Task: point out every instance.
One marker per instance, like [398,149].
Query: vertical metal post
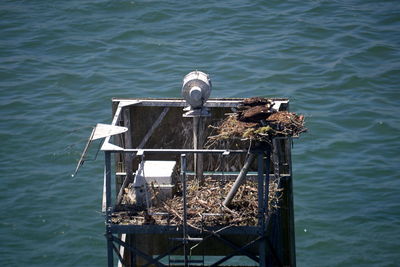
[260,170]
[275,157]
[183,176]
[279,229]
[261,209]
[282,147]
[107,179]
[288,152]
[198,144]
[127,157]
[267,163]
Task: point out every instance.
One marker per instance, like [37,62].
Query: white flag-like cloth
[100,131]
[104,130]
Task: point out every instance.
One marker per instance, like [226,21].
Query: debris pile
[204,206]
[257,119]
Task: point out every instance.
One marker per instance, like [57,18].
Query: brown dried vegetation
[256,120]
[204,206]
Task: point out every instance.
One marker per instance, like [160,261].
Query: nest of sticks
[204,206]
[256,119]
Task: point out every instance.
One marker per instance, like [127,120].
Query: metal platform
[269,243]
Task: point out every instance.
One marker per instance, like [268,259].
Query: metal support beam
[120,257]
[127,157]
[273,253]
[183,177]
[107,188]
[174,151]
[260,166]
[236,247]
[153,127]
[107,182]
[267,163]
[159,257]
[217,263]
[261,208]
[198,139]
[239,180]
[122,252]
[148,258]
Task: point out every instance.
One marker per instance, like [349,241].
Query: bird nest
[256,119]
[204,205]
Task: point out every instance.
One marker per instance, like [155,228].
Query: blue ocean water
[61,62]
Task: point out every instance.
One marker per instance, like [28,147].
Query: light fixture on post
[196,90]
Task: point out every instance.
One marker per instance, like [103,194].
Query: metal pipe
[260,168]
[110,251]
[239,180]
[107,179]
[175,151]
[107,186]
[267,171]
[183,176]
[198,144]
[261,209]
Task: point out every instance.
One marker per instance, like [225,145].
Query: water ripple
[338,61]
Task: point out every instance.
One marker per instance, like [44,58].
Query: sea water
[61,62]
